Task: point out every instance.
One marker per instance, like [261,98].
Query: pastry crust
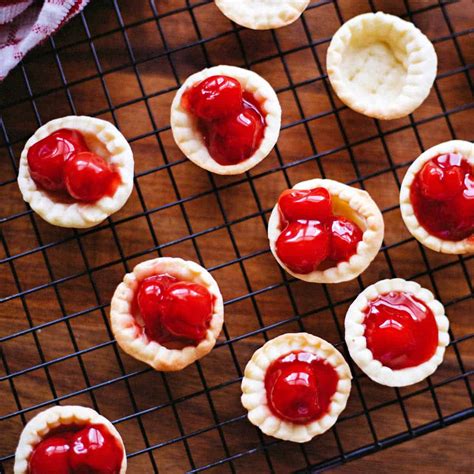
[40,425]
[262,14]
[357,343]
[381,66]
[254,397]
[189,139]
[103,139]
[352,203]
[408,214]
[129,333]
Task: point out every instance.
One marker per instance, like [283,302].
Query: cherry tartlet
[437,198]
[295,387]
[70,440]
[396,332]
[168,313]
[76,171]
[226,119]
[323,231]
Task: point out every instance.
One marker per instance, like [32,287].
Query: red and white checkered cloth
[26,23]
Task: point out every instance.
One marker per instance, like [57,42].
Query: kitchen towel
[26,23]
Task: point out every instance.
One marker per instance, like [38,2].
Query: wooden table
[60,281]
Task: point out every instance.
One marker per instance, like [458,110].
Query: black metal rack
[263,446]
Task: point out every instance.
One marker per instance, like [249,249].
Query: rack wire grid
[123,61]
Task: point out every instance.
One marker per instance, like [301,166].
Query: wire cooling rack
[123,61]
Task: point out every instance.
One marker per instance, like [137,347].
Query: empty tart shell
[103,139]
[408,214]
[381,66]
[128,328]
[262,14]
[40,425]
[190,140]
[352,203]
[357,343]
[254,397]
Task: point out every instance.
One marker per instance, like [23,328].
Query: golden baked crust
[129,333]
[103,139]
[189,139]
[40,425]
[254,397]
[408,214]
[381,66]
[354,204]
[357,343]
[262,14]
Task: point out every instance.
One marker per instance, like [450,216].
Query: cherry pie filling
[63,164]
[175,313]
[313,237]
[442,196]
[230,119]
[299,387]
[400,330]
[77,450]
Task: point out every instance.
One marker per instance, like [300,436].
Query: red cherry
[299,386]
[308,204]
[95,450]
[88,177]
[463,217]
[294,395]
[215,97]
[390,341]
[46,157]
[442,208]
[149,298]
[187,310]
[400,330]
[303,245]
[441,182]
[235,138]
[345,235]
[50,456]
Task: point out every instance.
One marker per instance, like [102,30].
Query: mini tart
[40,425]
[103,139]
[130,334]
[190,140]
[352,203]
[408,214]
[357,342]
[262,14]
[381,66]
[254,397]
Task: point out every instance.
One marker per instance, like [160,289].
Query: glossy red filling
[62,163]
[299,387]
[312,235]
[442,196]
[77,450]
[174,311]
[230,119]
[400,330]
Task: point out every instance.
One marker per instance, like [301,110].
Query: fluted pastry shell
[262,14]
[381,66]
[352,203]
[190,140]
[103,139]
[41,424]
[408,214]
[129,332]
[357,343]
[254,397]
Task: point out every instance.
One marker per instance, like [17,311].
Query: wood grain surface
[65,285]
